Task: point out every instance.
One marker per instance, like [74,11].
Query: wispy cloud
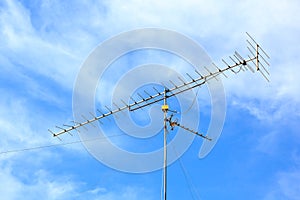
[23,45]
[43,185]
[269,111]
[286,185]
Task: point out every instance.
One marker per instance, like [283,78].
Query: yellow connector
[164,107]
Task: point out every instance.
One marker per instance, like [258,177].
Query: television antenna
[258,59]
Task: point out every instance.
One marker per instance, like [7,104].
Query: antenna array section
[257,60]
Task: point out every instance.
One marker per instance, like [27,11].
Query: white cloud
[16,125]
[43,185]
[289,184]
[286,186]
[269,142]
[126,193]
[22,128]
[24,46]
[269,111]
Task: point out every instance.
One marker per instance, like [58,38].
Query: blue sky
[42,47]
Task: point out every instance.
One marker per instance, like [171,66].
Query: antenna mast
[165,108]
[258,57]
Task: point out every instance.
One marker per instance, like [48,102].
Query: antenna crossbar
[175,123]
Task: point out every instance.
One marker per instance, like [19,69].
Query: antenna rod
[175,123]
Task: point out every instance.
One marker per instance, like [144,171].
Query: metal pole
[165,110]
